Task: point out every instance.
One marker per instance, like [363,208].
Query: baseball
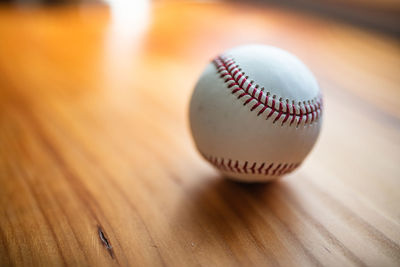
[255,113]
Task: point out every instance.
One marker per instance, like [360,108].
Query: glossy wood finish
[97,166]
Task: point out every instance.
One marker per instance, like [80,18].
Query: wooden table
[97,165]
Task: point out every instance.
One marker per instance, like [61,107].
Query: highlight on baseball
[255,113]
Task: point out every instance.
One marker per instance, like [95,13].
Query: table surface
[97,165]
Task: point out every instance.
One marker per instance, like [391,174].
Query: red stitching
[235,166]
[236,81]
[283,169]
[245,167]
[243,81]
[235,90]
[229,165]
[255,106]
[307,113]
[247,101]
[253,167]
[223,165]
[241,95]
[248,86]
[280,112]
[271,112]
[262,110]
[260,168]
[274,171]
[269,167]
[287,114]
[232,84]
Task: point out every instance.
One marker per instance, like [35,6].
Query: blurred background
[382,15]
[97,164]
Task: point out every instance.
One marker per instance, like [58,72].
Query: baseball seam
[263,168]
[240,85]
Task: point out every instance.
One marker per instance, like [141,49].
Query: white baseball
[256,113]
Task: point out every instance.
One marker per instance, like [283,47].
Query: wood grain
[97,166]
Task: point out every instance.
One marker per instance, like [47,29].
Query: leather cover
[228,126]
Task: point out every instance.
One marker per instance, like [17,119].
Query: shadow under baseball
[240,220]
